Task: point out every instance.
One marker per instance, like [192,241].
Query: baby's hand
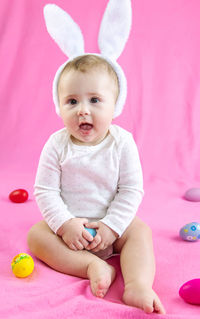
[74,234]
[105,236]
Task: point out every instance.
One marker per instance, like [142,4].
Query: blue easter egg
[92,231]
[190,232]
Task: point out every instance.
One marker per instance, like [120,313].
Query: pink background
[161,62]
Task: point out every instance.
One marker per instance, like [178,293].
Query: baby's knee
[138,228]
[145,229]
[33,237]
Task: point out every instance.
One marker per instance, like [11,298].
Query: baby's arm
[47,186]
[124,205]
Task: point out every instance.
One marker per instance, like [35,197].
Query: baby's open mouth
[86,126]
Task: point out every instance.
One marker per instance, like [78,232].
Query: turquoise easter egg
[92,231]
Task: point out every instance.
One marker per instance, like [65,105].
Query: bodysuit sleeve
[124,206]
[47,187]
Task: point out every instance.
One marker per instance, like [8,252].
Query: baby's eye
[72,101]
[94,100]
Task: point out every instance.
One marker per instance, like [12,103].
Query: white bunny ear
[115,28]
[64,30]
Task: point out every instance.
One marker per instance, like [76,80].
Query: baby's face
[87,103]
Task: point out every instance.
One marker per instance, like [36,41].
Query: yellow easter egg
[22,265]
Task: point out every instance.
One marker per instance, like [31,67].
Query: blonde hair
[86,63]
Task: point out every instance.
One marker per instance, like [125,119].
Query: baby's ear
[115,28]
[65,32]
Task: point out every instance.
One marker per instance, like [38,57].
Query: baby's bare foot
[144,298]
[101,276]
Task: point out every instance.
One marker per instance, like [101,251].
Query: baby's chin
[82,141]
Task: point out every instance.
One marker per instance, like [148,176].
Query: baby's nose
[83,110]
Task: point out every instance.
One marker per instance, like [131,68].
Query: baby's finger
[84,221]
[87,235]
[92,225]
[72,246]
[101,246]
[84,242]
[78,245]
[96,241]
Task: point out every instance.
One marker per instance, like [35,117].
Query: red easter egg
[190,291]
[18,196]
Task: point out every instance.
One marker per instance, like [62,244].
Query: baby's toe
[148,307]
[102,288]
[158,307]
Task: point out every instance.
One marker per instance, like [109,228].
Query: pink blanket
[161,61]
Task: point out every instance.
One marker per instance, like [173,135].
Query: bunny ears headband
[113,34]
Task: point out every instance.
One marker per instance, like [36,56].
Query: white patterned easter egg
[190,232]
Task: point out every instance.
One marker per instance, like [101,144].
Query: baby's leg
[138,267]
[51,249]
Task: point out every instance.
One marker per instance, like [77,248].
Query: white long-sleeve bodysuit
[102,182]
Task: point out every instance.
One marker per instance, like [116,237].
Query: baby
[89,175]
